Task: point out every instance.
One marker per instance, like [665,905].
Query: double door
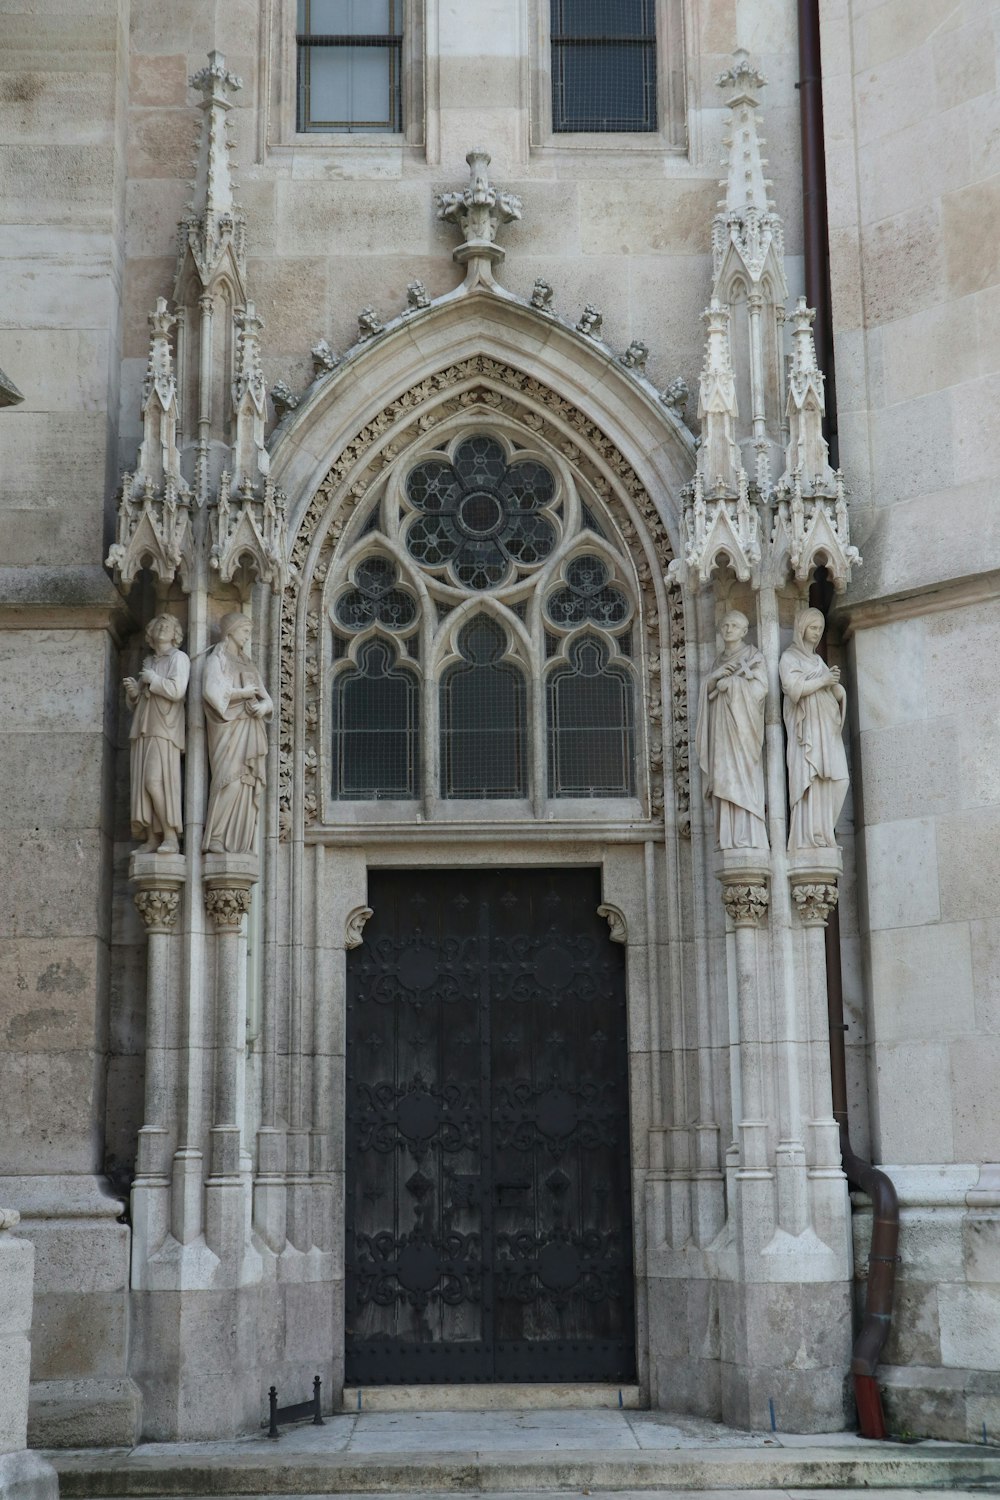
[488,1217]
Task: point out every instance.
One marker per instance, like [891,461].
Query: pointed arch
[324,496]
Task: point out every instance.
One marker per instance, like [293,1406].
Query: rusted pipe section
[860,1174]
[864,1178]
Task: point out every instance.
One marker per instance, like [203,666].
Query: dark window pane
[375,717]
[597,18]
[590,729]
[603,65]
[483,719]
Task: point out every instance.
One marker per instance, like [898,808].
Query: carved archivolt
[500,388]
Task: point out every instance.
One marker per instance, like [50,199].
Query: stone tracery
[494,387]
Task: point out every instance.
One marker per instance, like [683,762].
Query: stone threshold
[491,1397]
[265,1469]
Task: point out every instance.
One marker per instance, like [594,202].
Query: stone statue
[236,706]
[814,708]
[730,738]
[156,698]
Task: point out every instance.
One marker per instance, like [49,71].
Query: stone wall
[62,118]
[911,102]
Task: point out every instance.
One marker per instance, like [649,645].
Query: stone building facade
[436,409]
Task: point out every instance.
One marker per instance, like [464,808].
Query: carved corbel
[615,917]
[354,927]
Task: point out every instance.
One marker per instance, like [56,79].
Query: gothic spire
[215,228]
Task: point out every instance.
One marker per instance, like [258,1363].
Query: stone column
[23,1475]
[746,896]
[229,879]
[813,879]
[159,879]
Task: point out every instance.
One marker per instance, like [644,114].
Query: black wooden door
[488,1219]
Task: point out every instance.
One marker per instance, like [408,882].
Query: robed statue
[730,738]
[237,706]
[156,698]
[814,708]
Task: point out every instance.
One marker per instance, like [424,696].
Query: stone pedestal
[23,1475]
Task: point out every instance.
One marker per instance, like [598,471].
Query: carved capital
[617,925]
[227,905]
[158,907]
[354,928]
[814,902]
[746,904]
[9,1218]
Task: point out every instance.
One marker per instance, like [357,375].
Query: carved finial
[635,356]
[153,511]
[215,222]
[369,324]
[478,211]
[676,396]
[541,295]
[282,399]
[742,77]
[591,322]
[417,297]
[323,358]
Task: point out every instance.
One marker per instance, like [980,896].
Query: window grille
[590,724]
[375,723]
[350,55]
[474,515]
[603,65]
[483,719]
[480,516]
[375,599]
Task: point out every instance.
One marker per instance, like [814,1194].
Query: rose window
[481,517]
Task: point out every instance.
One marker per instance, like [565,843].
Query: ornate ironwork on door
[488,1223]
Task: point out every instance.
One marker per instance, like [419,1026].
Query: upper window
[481,637]
[603,65]
[350,65]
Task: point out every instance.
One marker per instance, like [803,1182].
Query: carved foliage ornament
[367,456]
[158,908]
[227,906]
[746,904]
[815,902]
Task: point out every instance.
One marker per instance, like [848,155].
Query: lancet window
[483,637]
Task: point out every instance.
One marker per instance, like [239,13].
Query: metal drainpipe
[861,1175]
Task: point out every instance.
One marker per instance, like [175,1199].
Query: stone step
[267,1470]
[407,1398]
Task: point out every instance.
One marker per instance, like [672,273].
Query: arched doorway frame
[478,353]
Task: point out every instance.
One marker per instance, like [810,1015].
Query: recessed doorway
[488,1213]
